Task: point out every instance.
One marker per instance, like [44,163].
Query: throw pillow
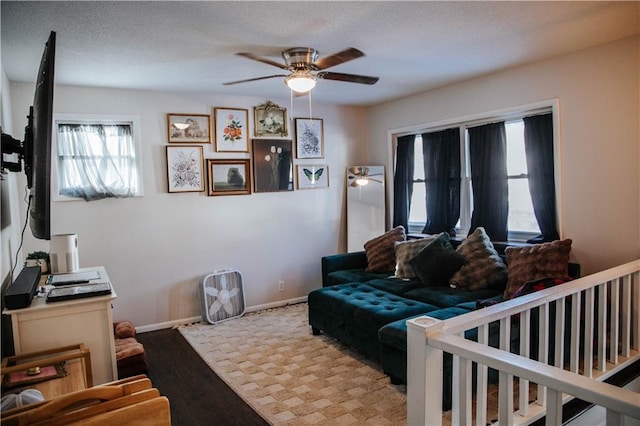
[539,284]
[405,251]
[380,251]
[483,267]
[537,261]
[437,262]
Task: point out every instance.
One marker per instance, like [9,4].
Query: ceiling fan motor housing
[299,58]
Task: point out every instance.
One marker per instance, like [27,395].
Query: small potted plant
[38,258]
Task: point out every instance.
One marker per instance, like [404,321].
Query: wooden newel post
[424,374]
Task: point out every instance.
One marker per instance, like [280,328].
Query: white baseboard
[179,322]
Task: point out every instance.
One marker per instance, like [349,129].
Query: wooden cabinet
[43,326]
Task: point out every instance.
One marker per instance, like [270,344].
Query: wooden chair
[79,373]
[129,401]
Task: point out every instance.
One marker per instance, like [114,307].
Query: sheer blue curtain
[441,152]
[403,181]
[538,143]
[488,159]
[96,161]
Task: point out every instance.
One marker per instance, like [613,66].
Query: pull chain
[291,108]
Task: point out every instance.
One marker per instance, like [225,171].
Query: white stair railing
[592,324]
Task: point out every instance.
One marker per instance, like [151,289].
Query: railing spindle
[615,321]
[589,328]
[635,320]
[523,397]
[543,346]
[625,317]
[576,311]
[559,334]
[602,327]
[482,381]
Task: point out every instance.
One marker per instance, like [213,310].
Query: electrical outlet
[280,285]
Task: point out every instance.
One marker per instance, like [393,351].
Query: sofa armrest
[340,262]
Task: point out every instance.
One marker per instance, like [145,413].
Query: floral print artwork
[232,129]
[185,169]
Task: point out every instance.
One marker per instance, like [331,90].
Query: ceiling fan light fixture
[300,82]
[362,181]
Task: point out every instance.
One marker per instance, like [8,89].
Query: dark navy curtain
[441,152]
[538,143]
[403,181]
[488,159]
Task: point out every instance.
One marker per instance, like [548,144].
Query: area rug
[290,377]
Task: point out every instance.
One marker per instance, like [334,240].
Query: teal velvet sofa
[367,311]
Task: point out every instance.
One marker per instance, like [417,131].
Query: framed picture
[185,168]
[272,165]
[189,128]
[311,176]
[232,129]
[270,120]
[229,177]
[309,138]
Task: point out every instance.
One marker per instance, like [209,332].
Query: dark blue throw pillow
[436,263]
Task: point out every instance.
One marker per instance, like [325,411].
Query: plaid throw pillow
[539,284]
[535,262]
[380,251]
[483,267]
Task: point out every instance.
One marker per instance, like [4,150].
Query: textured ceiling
[190,46]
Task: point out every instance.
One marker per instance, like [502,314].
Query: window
[96,158]
[521,221]
[521,216]
[418,211]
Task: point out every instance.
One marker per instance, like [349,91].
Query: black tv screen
[38,144]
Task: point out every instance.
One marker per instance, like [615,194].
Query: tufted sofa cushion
[445,297]
[353,276]
[395,285]
[354,312]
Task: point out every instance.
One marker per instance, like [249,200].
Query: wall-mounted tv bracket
[12,154]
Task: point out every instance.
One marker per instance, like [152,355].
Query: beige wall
[598,93]
[157,247]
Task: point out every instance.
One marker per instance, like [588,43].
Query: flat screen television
[35,150]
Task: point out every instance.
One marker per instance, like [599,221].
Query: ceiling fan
[361,176]
[305,68]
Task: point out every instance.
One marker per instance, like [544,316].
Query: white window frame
[506,114]
[132,120]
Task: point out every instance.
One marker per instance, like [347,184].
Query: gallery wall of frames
[280,153]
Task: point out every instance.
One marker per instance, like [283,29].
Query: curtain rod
[482,121]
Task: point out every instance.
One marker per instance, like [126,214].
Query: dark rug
[197,396]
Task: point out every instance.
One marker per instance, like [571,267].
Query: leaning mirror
[365,205]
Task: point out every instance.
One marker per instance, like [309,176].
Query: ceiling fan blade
[350,78]
[263,60]
[358,170]
[337,58]
[253,79]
